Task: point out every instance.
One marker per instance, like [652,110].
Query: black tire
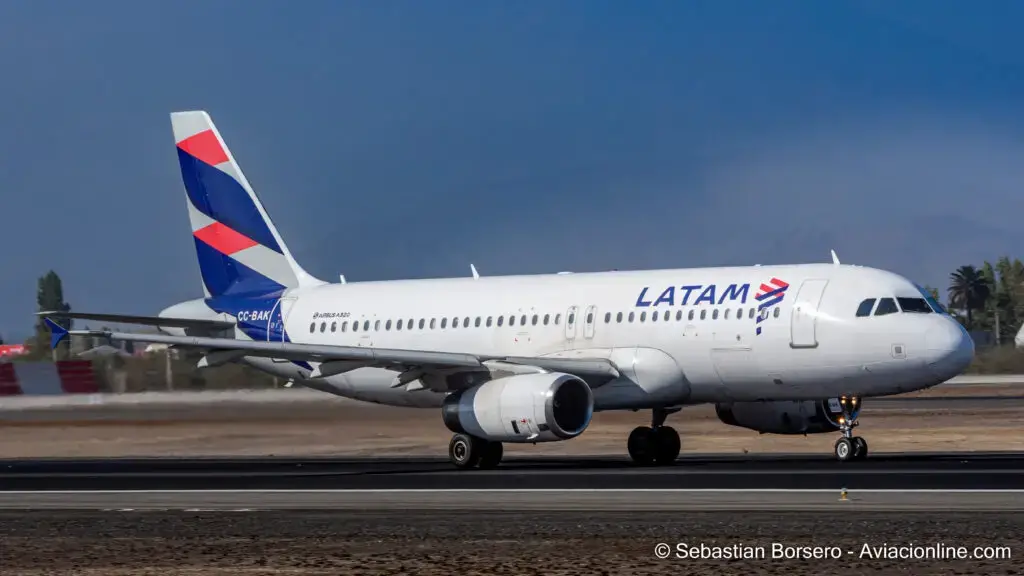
[490,456]
[844,449]
[464,451]
[666,445]
[640,445]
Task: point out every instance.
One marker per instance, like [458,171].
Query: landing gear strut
[850,447]
[658,444]
[467,451]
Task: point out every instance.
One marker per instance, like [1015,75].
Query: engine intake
[788,417]
[544,407]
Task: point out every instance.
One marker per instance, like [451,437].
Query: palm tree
[968,291]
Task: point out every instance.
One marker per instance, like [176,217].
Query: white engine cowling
[545,407]
[787,417]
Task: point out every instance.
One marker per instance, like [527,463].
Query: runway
[885,481]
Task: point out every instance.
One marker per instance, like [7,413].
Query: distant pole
[169,375]
[997,328]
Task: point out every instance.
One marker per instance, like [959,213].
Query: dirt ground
[354,428]
[563,544]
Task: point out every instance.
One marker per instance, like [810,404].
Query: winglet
[57,332]
[472,269]
[835,259]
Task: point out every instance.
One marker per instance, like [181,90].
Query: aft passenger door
[803,322]
[278,322]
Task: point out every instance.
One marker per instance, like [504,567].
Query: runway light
[842,495]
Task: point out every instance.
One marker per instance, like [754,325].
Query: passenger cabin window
[607,317]
[399,325]
[455,322]
[865,307]
[618,317]
[444,323]
[691,315]
[777,312]
[387,326]
[334,326]
[547,319]
[477,323]
[679,315]
[914,305]
[886,306]
[433,322]
[489,318]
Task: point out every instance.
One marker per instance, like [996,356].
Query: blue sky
[408,139]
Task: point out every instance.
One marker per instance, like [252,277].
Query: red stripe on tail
[224,239]
[205,147]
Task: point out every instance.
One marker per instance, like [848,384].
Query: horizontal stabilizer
[143,320]
[57,332]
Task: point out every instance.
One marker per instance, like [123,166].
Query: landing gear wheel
[860,448]
[653,445]
[844,449]
[640,446]
[465,451]
[491,455]
[666,444]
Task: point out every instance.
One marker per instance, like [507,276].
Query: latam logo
[769,295]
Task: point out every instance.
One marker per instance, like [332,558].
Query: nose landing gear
[850,447]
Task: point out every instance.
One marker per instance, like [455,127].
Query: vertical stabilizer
[239,249]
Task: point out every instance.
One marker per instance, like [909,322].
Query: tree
[50,297]
[968,291]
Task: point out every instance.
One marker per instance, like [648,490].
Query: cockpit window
[935,305]
[915,305]
[865,307]
[886,306]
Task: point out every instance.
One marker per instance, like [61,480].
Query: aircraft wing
[212,325]
[410,364]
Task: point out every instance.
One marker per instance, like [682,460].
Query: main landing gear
[850,447]
[658,444]
[467,451]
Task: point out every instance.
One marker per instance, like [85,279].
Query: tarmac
[967,481]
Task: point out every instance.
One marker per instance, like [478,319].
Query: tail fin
[240,251]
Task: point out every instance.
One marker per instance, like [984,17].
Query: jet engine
[543,407]
[789,417]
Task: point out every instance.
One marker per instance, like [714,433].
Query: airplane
[780,349]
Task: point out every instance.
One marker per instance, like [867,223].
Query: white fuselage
[675,340]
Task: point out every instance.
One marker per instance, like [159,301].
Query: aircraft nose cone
[950,349]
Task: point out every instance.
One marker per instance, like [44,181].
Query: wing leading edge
[412,364]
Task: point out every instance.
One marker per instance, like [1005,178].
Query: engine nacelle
[544,407]
[788,417]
